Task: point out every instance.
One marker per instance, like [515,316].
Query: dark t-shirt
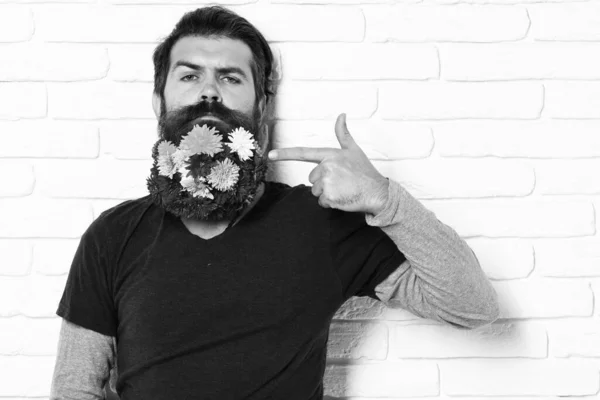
[243,315]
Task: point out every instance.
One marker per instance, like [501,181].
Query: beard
[167,190]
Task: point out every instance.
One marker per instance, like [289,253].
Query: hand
[345,178]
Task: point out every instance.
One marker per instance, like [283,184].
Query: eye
[231,79]
[188,78]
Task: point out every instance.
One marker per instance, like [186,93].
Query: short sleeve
[87,299]
[362,255]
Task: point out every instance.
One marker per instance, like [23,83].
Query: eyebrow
[222,70]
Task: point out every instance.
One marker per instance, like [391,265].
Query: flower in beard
[166,165]
[224,175]
[202,140]
[196,186]
[241,142]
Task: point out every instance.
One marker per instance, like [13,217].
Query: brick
[454,100]
[380,140]
[105,179]
[567,177]
[131,63]
[52,62]
[22,100]
[575,339]
[318,100]
[356,340]
[446,179]
[16,23]
[359,308]
[504,258]
[41,335]
[128,140]
[48,139]
[68,23]
[343,61]
[11,335]
[282,23]
[498,340]
[26,375]
[568,139]
[565,22]
[43,295]
[567,257]
[572,100]
[456,23]
[398,379]
[35,218]
[544,298]
[511,61]
[277,23]
[98,100]
[519,377]
[53,256]
[16,257]
[12,295]
[516,218]
[17,179]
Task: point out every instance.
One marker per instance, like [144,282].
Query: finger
[309,154]
[317,188]
[341,132]
[315,174]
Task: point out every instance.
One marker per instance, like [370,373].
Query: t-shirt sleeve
[87,299]
[362,255]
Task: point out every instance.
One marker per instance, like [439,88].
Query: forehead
[209,51]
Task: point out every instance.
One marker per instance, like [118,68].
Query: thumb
[341,131]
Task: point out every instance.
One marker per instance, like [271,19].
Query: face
[209,84]
[211,69]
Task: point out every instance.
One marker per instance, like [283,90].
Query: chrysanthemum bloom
[196,186]
[180,158]
[165,163]
[241,141]
[224,175]
[202,139]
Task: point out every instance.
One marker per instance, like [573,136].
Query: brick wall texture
[488,111]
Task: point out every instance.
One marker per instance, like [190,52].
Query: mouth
[207,117]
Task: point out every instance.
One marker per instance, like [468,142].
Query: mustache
[176,123]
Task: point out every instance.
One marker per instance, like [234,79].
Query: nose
[210,91]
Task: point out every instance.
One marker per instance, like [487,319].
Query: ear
[156,103]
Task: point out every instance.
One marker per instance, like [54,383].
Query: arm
[441,278]
[84,361]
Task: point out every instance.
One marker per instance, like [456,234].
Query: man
[219,284]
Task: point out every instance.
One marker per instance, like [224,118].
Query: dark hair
[216,21]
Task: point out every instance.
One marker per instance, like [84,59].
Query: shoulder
[121,218]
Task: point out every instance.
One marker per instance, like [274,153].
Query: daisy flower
[241,142]
[196,187]
[166,166]
[180,158]
[224,175]
[202,139]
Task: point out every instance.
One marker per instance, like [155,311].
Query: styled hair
[217,22]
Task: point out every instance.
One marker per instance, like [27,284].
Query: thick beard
[167,192]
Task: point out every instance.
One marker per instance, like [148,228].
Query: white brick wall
[486,110]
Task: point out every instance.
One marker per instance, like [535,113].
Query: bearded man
[222,285]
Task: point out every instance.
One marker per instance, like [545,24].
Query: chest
[248,282]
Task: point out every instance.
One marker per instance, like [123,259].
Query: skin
[218,69]
[212,69]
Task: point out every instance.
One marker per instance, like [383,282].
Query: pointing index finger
[308,154]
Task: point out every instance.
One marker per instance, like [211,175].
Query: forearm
[442,278]
[83,364]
